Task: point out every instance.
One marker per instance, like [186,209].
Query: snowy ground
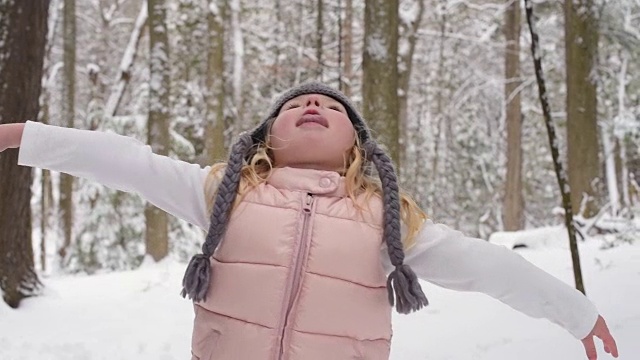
[139,315]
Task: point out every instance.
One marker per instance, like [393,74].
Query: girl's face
[312,131]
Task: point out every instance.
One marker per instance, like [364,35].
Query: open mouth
[314,117]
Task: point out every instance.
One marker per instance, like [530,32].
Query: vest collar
[317,182]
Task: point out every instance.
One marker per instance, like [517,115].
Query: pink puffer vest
[298,276]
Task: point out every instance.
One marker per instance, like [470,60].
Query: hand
[601,331]
[10,136]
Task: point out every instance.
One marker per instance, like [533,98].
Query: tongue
[312,118]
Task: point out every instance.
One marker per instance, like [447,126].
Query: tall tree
[319,38]
[126,64]
[23,30]
[581,42]
[156,237]
[409,24]
[68,113]
[347,48]
[561,175]
[380,73]
[238,61]
[214,128]
[46,198]
[513,205]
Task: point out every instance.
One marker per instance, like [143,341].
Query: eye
[335,107]
[291,106]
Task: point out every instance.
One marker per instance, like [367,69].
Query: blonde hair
[359,185]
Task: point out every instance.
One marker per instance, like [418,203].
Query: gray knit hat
[408,293]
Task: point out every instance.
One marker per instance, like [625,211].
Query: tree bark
[68,113]
[46,199]
[319,38]
[440,113]
[561,175]
[238,62]
[347,46]
[410,33]
[23,30]
[513,205]
[581,42]
[380,73]
[214,141]
[156,236]
[126,64]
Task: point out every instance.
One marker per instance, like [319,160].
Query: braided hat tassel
[402,282]
[195,282]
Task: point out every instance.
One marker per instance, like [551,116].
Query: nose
[313,100]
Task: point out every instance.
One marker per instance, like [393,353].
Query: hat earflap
[195,282]
[402,281]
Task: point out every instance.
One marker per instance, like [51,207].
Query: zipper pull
[308,203]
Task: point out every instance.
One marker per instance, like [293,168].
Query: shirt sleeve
[449,259]
[119,162]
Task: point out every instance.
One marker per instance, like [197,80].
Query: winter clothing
[441,256]
[408,294]
[298,276]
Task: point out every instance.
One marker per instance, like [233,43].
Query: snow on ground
[139,314]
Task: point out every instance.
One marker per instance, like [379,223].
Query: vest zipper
[294,283]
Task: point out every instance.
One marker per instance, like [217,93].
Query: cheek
[345,135]
[280,132]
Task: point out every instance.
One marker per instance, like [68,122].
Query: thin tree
[68,114]
[513,203]
[214,128]
[126,63]
[23,31]
[380,73]
[346,46]
[319,38]
[553,143]
[48,74]
[238,61]
[581,43]
[156,236]
[409,29]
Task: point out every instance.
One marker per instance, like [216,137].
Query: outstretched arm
[449,259]
[120,162]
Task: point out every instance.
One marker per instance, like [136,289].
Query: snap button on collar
[325,182]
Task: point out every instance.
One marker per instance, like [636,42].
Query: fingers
[609,342]
[590,348]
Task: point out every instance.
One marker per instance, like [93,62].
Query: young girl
[301,236]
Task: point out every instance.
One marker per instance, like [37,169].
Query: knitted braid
[408,293]
[196,279]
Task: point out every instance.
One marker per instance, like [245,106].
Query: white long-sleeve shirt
[441,255]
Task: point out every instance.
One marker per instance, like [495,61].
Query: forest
[448,87]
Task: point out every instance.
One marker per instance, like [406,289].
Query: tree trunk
[23,30]
[513,206]
[319,38]
[581,42]
[623,171]
[561,175]
[410,35]
[46,199]
[347,46]
[380,73]
[126,64]
[214,140]
[611,173]
[440,112]
[238,61]
[156,237]
[68,113]
[278,33]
